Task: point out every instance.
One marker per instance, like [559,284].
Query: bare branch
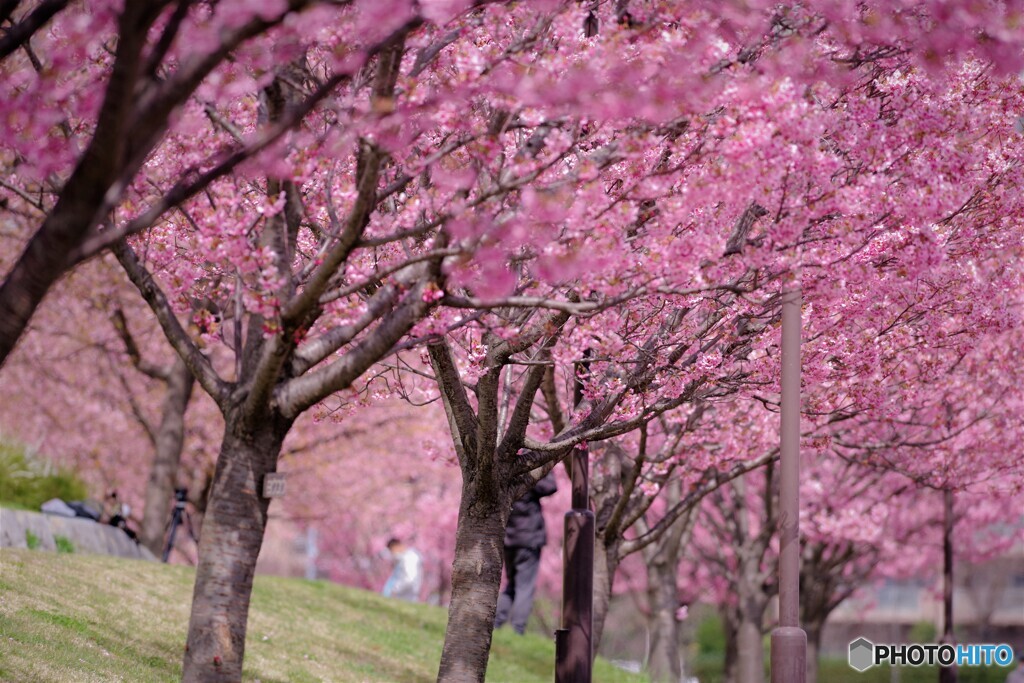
[550,392]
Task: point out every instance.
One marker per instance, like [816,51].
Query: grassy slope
[73,618]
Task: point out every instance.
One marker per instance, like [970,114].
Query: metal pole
[789,641]
[312,552]
[574,641]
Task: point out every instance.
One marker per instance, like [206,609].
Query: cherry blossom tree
[717,444]
[387,471]
[81,397]
[884,475]
[90,92]
[507,184]
[95,406]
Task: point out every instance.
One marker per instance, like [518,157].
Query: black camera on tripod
[179,516]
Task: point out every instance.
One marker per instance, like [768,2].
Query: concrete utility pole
[312,553]
[789,641]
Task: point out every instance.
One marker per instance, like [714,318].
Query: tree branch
[143,366]
[197,363]
[316,349]
[462,419]
[298,394]
[22,32]
[709,481]
[369,164]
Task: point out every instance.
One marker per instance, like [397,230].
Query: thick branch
[738,238]
[551,403]
[300,393]
[197,363]
[79,207]
[132,349]
[315,350]
[20,33]
[461,419]
[612,529]
[520,420]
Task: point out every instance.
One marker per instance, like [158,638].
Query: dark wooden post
[574,653]
[574,644]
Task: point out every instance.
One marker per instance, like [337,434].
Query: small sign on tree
[274,485]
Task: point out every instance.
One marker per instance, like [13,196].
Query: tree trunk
[730,623]
[813,650]
[232,535]
[947,674]
[663,663]
[606,563]
[750,660]
[48,254]
[164,474]
[476,580]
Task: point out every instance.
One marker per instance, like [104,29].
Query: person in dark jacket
[524,537]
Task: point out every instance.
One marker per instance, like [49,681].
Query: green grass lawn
[66,618]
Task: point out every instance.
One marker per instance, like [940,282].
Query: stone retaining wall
[86,536]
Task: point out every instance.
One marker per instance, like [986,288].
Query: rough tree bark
[233,529]
[476,579]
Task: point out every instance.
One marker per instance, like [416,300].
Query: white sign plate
[273,485]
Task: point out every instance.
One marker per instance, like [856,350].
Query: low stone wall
[86,536]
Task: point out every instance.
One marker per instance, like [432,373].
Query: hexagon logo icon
[862,653]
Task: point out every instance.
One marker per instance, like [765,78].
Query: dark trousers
[516,601]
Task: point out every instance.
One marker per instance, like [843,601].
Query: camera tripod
[178,516]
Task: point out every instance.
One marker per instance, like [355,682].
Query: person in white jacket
[407,577]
